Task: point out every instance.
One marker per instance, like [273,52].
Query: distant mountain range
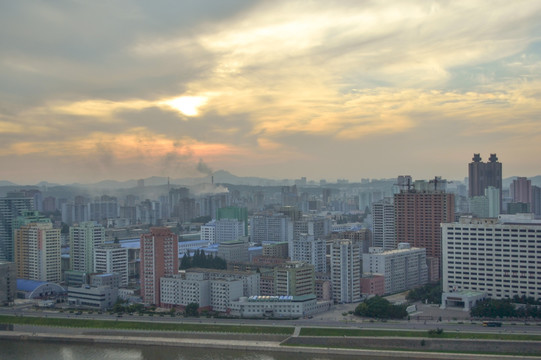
[218,177]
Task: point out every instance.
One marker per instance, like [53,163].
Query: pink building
[373,285]
[521,190]
[159,258]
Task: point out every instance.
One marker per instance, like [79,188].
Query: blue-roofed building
[32,289]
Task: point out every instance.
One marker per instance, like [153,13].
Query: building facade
[273,228]
[498,257]
[234,251]
[383,224]
[418,217]
[8,283]
[212,289]
[279,306]
[346,271]
[159,258]
[37,252]
[11,206]
[276,250]
[521,190]
[112,258]
[229,230]
[306,248]
[403,268]
[83,239]
[482,175]
[294,278]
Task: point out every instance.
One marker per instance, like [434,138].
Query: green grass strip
[140,325]
[307,331]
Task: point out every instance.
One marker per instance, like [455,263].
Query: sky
[126,89]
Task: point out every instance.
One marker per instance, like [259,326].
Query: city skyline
[348,90]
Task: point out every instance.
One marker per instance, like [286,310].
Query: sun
[187,105]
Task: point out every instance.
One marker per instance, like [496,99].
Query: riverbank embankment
[315,345]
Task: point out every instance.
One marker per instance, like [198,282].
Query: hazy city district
[223,247]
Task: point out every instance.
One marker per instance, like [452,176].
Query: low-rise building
[213,289]
[278,306]
[97,297]
[235,250]
[373,284]
[32,289]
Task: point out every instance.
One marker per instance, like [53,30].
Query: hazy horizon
[121,90]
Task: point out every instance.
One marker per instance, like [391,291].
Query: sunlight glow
[188,105]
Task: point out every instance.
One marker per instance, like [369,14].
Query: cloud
[263,85]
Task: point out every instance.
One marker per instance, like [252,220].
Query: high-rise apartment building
[208,232]
[346,271]
[536,201]
[228,230]
[11,206]
[112,259]
[8,283]
[383,224]
[487,206]
[499,257]
[37,252]
[403,268]
[159,258]
[294,278]
[234,212]
[418,217]
[83,240]
[271,228]
[310,250]
[521,190]
[318,226]
[482,175]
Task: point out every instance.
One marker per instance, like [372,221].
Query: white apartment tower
[83,239]
[229,230]
[383,225]
[37,252]
[310,250]
[497,256]
[346,271]
[403,268]
[208,232]
[273,228]
[112,259]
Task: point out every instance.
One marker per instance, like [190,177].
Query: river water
[30,350]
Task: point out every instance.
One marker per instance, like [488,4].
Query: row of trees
[492,308]
[201,260]
[380,308]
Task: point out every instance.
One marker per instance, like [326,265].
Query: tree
[380,308]
[185,262]
[492,308]
[430,292]
[191,309]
